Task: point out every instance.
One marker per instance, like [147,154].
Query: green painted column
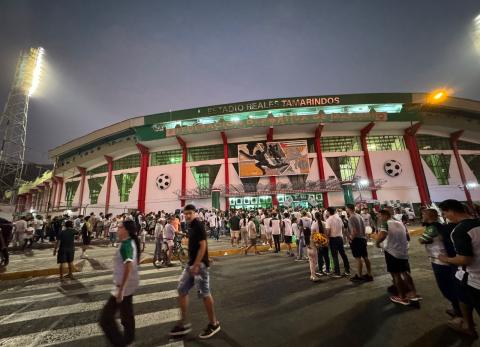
[348,194]
[216,199]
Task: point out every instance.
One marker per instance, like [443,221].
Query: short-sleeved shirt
[169,232]
[235,223]
[67,239]
[396,243]
[266,223]
[335,224]
[196,233]
[126,253]
[466,239]
[356,226]
[433,240]
[275,226]
[288,231]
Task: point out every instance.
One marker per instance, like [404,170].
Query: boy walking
[195,273]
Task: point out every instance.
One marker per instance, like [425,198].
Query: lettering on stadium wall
[272,104]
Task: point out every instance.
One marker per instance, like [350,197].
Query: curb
[215,253]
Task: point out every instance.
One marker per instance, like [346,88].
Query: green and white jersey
[126,253]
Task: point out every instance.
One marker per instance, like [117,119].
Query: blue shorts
[201,281]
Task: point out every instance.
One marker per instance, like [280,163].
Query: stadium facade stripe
[227,174]
[142,189]
[454,137]
[321,169]
[60,190]
[366,157]
[109,182]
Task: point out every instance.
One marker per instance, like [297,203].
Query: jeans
[445,277]
[336,246]
[113,237]
[276,240]
[29,241]
[215,232]
[323,258]
[127,318]
[39,235]
[300,247]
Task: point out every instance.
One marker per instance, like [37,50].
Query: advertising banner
[273,158]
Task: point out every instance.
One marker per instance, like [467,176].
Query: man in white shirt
[333,229]
[213,224]
[268,230]
[20,226]
[276,231]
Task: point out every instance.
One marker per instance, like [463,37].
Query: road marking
[82,307]
[86,290]
[109,275]
[79,332]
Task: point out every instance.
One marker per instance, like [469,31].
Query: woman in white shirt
[287,232]
[252,235]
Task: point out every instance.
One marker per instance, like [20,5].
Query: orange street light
[437,96]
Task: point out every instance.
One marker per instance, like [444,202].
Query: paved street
[262,300]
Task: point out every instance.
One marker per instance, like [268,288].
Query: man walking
[234,228]
[66,248]
[333,228]
[195,273]
[358,245]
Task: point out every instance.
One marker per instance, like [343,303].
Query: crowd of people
[316,236]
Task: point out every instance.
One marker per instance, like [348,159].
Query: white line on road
[86,290]
[82,307]
[79,332]
[109,275]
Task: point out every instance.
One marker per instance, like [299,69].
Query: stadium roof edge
[346,99]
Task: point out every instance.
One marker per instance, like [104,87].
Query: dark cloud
[111,60]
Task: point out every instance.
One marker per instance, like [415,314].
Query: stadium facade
[319,150]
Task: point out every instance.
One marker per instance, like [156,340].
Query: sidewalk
[41,261]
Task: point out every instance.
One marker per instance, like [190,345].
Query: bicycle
[160,256]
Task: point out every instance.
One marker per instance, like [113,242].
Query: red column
[20,206]
[53,194]
[409,137]
[184,168]
[60,190]
[41,193]
[83,175]
[142,189]
[273,179]
[227,176]
[366,157]
[321,169]
[28,202]
[454,142]
[109,182]
[46,196]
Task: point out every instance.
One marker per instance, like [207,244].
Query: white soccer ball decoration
[392,168]
[163,181]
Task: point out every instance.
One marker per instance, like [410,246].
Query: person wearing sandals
[396,257]
[466,240]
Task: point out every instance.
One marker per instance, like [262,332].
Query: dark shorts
[253,242]
[65,256]
[396,265]
[359,247]
[86,240]
[288,239]
[468,295]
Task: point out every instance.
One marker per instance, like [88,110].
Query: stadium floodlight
[476,33]
[438,96]
[36,62]
[363,182]
[471,185]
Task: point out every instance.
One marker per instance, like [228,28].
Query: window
[232,150]
[205,175]
[440,166]
[70,190]
[128,162]
[468,145]
[473,162]
[125,183]
[340,143]
[205,153]
[98,170]
[311,145]
[385,143]
[166,157]
[432,142]
[95,186]
[344,167]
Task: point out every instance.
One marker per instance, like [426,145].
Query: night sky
[111,60]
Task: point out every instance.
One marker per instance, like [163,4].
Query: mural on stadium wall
[273,158]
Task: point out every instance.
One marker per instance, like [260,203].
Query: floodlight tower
[13,121]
